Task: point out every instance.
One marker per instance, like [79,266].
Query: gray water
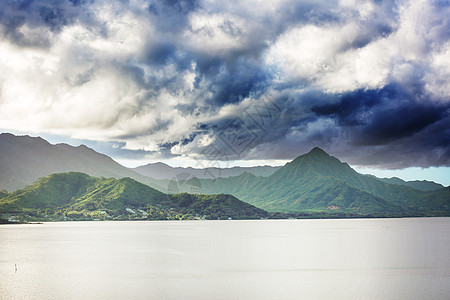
[264,259]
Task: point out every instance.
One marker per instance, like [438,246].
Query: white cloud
[324,55]
[437,79]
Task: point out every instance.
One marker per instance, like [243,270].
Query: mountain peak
[315,154]
[316,151]
[315,161]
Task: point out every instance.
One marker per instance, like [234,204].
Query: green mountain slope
[436,201]
[115,195]
[56,190]
[79,196]
[318,181]
[3,194]
[217,206]
[421,185]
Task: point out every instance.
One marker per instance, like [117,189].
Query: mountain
[24,159]
[162,171]
[218,206]
[79,196]
[313,182]
[48,192]
[421,185]
[317,181]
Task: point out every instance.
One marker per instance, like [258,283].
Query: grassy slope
[219,205]
[317,181]
[78,192]
[421,185]
[56,190]
[115,194]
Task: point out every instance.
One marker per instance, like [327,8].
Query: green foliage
[421,185]
[313,185]
[48,192]
[217,206]
[3,194]
[115,195]
[77,196]
[317,181]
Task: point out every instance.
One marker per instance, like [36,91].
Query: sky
[224,83]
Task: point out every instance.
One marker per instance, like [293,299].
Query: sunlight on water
[279,259]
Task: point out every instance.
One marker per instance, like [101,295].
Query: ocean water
[264,259]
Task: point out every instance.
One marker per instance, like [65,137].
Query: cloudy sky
[232,82]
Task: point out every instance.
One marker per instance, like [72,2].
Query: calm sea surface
[279,259]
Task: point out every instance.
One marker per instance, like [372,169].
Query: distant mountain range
[421,185]
[313,183]
[162,171]
[23,159]
[78,196]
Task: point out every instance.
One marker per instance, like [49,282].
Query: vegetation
[219,206]
[77,196]
[314,185]
[421,185]
[316,181]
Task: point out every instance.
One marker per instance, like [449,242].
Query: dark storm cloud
[167,8]
[257,127]
[425,148]
[393,127]
[381,116]
[401,126]
[233,83]
[49,15]
[392,124]
[159,53]
[171,16]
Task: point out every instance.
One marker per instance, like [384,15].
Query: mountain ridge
[161,170]
[422,185]
[24,159]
